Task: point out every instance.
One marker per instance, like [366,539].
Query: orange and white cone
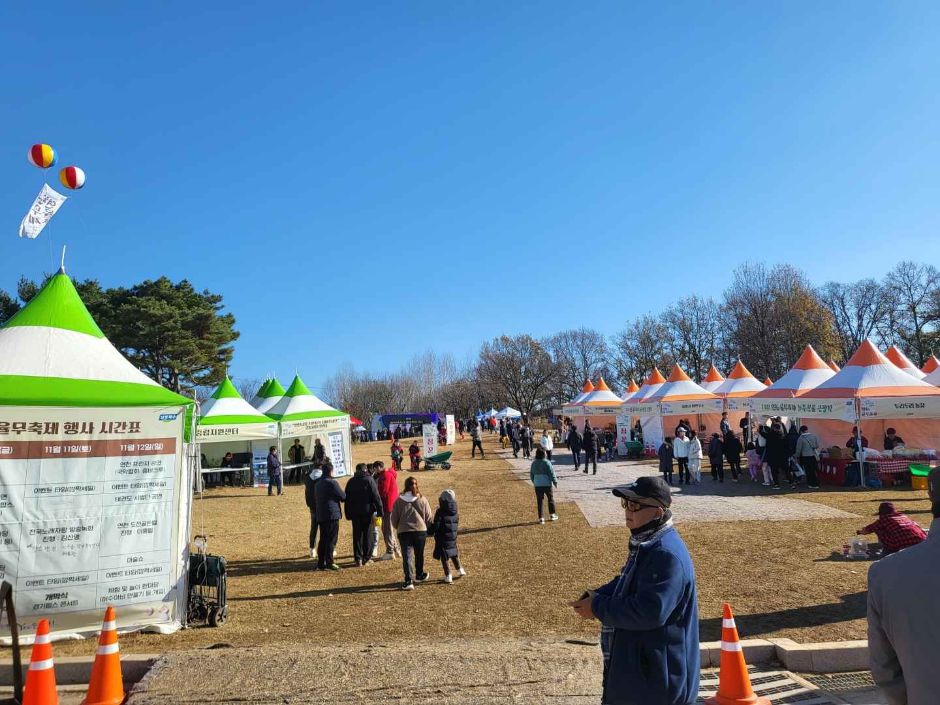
[40,678]
[734,684]
[106,686]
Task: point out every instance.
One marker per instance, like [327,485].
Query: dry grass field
[779,576]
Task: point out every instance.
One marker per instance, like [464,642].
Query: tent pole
[858,442]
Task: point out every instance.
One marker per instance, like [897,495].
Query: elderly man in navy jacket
[648,613]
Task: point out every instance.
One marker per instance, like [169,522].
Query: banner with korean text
[94,511]
[333,432]
[900,407]
[841,409]
[429,440]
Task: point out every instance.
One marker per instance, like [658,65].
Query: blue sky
[362,181]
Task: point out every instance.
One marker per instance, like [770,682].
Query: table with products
[890,471]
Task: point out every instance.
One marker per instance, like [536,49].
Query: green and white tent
[96,474]
[303,415]
[225,416]
[52,353]
[269,395]
[259,395]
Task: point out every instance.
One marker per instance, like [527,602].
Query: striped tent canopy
[601,396]
[809,372]
[650,386]
[259,395]
[632,389]
[679,387]
[585,390]
[869,373]
[740,383]
[268,396]
[241,421]
[52,353]
[897,356]
[932,364]
[298,403]
[712,380]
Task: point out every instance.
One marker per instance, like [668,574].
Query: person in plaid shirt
[894,530]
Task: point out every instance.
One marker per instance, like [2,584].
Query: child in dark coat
[444,528]
[665,459]
[414,452]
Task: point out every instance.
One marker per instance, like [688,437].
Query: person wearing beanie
[894,530]
[904,617]
[649,612]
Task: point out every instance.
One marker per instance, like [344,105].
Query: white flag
[45,206]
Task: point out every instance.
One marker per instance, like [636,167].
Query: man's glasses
[634,506]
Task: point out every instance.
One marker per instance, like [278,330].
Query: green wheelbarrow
[438,461]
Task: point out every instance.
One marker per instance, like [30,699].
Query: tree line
[766,316]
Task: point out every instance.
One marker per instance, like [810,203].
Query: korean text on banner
[90,512]
[900,407]
[841,409]
[338,453]
[45,206]
[623,434]
[429,438]
[451,426]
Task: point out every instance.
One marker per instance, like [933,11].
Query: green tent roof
[57,305]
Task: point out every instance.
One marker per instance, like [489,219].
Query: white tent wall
[324,428]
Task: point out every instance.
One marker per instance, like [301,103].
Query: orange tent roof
[768,381]
[739,371]
[656,377]
[932,364]
[897,356]
[680,387]
[633,386]
[740,383]
[588,387]
[833,366]
[810,360]
[713,375]
[601,386]
[807,373]
[870,374]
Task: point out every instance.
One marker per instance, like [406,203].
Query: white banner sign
[738,404]
[90,515]
[45,206]
[623,434]
[693,406]
[331,430]
[572,411]
[901,408]
[451,426]
[217,433]
[642,409]
[429,438]
[841,409]
[338,453]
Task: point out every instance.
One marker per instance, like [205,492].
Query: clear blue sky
[364,180]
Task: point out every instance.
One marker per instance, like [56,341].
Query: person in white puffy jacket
[695,458]
[680,451]
[547,444]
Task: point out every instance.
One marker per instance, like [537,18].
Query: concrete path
[708,501]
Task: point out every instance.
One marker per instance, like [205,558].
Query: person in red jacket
[387,480]
[894,530]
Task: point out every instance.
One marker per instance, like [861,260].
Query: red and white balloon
[72,177]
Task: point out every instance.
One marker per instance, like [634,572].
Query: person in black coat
[776,454]
[574,445]
[444,528]
[525,440]
[716,452]
[589,444]
[328,495]
[310,488]
[733,449]
[362,504]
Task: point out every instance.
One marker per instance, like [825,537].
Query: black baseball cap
[646,490]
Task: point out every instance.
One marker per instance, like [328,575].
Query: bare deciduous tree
[581,354]
[519,370]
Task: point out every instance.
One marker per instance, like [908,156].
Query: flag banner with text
[45,206]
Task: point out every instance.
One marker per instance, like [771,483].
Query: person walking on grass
[574,441]
[398,454]
[388,491]
[476,437]
[310,487]
[733,450]
[665,459]
[410,517]
[648,613]
[444,529]
[543,478]
[548,445]
[695,458]
[680,449]
[589,444]
[807,455]
[362,504]
[275,479]
[526,440]
[328,496]
[775,452]
[904,618]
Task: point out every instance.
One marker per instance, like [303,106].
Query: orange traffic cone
[40,678]
[106,686]
[734,685]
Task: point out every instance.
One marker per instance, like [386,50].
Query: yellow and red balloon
[72,177]
[42,155]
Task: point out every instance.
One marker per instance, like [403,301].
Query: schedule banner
[90,515]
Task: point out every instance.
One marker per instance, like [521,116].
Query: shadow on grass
[485,529]
[230,495]
[349,590]
[850,607]
[304,564]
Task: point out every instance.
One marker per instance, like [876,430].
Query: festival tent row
[596,402]
[676,398]
[96,471]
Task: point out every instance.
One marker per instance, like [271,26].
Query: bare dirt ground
[779,576]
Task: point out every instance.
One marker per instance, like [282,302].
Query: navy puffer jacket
[445,527]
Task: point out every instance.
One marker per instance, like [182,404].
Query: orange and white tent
[679,397]
[931,365]
[897,356]
[679,387]
[585,390]
[712,380]
[632,389]
[601,396]
[739,384]
[833,366]
[933,378]
[879,393]
[650,386]
[768,381]
[808,373]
